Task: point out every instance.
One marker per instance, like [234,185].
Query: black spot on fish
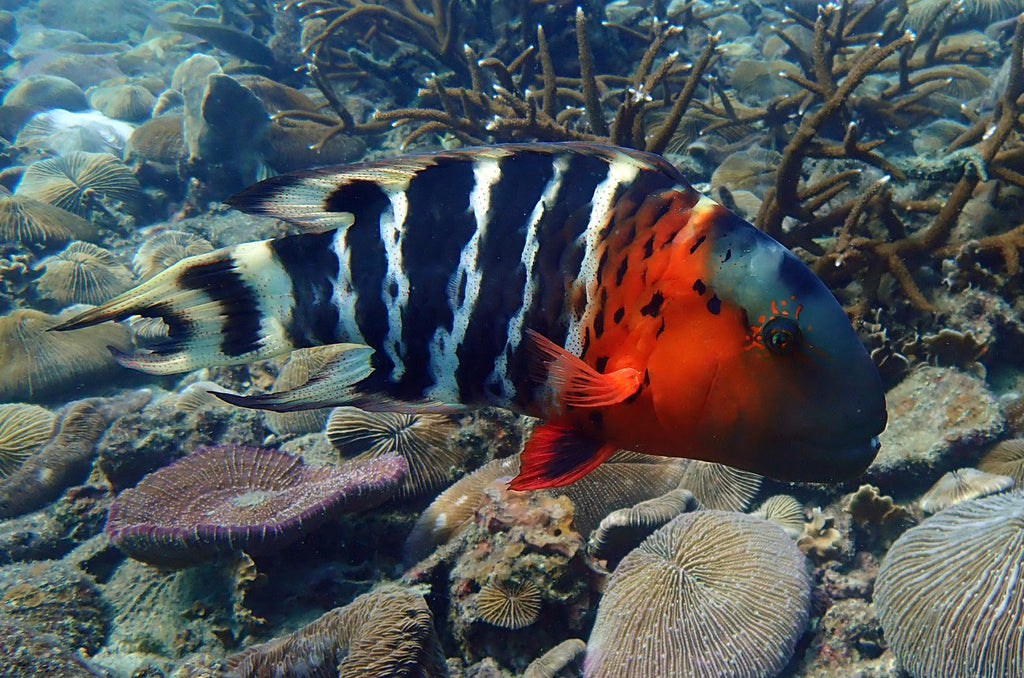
[728,255]
[649,247]
[653,307]
[631,236]
[621,273]
[697,244]
[586,342]
[393,289]
[636,394]
[647,377]
[596,420]
[714,304]
[600,265]
[599,323]
[601,363]
[618,315]
[699,286]
[660,329]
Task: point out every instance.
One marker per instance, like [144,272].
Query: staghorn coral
[710,594]
[421,439]
[166,248]
[563,660]
[36,364]
[949,594]
[31,222]
[219,500]
[23,430]
[83,273]
[961,485]
[622,530]
[386,633]
[785,511]
[509,605]
[1006,459]
[65,459]
[720,487]
[76,181]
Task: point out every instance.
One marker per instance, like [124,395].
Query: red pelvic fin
[577,383]
[558,455]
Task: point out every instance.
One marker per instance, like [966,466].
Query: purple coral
[223,499]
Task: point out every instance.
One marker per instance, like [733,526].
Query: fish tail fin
[224,307]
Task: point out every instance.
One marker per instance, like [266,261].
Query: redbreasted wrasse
[587,285]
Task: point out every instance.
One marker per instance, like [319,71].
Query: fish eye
[781,336]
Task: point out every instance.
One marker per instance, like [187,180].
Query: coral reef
[621,531]
[80,182]
[950,604]
[785,511]
[65,459]
[220,500]
[710,594]
[83,273]
[23,430]
[961,485]
[387,632]
[564,659]
[1005,458]
[30,222]
[720,487]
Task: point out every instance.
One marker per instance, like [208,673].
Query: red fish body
[590,286]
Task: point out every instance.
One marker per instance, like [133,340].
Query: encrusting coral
[219,500]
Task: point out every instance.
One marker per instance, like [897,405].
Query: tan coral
[158,140]
[422,439]
[720,487]
[509,605]
[35,363]
[1006,459]
[961,485]
[28,221]
[164,249]
[73,181]
[563,659]
[821,538]
[23,430]
[785,511]
[83,274]
[297,370]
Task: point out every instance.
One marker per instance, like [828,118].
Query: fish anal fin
[558,455]
[575,382]
[332,383]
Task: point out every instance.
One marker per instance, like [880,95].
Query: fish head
[788,389]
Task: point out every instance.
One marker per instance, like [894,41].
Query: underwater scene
[534,339]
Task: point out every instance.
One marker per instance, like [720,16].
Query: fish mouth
[825,462]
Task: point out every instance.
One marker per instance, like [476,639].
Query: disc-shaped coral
[785,511]
[83,274]
[72,181]
[950,594]
[711,594]
[961,485]
[157,140]
[301,365]
[219,500]
[23,430]
[510,605]
[422,439]
[1006,459]
[35,363]
[123,102]
[167,248]
[60,132]
[32,222]
[717,486]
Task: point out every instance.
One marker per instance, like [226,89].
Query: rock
[849,642]
[939,420]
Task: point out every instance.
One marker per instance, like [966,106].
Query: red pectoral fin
[577,383]
[558,455]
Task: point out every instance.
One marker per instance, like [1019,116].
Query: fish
[589,286]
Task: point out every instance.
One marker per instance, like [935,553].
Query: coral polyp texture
[711,594]
[950,594]
[219,500]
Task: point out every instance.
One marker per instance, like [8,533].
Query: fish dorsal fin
[576,383]
[333,197]
[558,455]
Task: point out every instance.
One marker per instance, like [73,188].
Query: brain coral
[218,500]
[950,593]
[711,594]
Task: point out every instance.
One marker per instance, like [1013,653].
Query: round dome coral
[223,499]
